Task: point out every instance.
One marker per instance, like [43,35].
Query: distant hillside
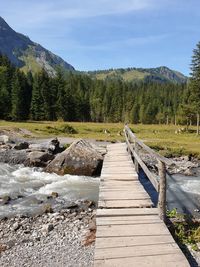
[26,54]
[160,74]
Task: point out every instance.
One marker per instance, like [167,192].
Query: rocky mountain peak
[27,54]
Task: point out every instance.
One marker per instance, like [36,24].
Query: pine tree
[194,85]
[18,97]
[37,101]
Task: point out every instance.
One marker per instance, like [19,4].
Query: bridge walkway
[129,230]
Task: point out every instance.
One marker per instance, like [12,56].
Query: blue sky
[101,34]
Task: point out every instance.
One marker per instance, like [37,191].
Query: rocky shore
[60,238]
[185,165]
[80,158]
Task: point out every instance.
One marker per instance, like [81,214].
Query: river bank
[60,238]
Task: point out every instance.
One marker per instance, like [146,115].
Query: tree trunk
[175,123]
[167,119]
[187,125]
[198,118]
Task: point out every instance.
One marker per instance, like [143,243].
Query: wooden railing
[159,182]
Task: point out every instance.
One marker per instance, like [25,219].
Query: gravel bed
[64,238]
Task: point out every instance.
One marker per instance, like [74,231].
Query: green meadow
[169,140]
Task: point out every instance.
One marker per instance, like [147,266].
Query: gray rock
[81,158]
[12,156]
[5,200]
[190,172]
[20,146]
[16,226]
[54,146]
[38,159]
[4,139]
[4,147]
[47,228]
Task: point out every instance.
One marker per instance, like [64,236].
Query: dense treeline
[76,97]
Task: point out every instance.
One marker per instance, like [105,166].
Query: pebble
[16,226]
[40,242]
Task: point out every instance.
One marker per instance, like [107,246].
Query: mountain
[160,74]
[26,54]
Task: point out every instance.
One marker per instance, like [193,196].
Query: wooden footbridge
[131,232]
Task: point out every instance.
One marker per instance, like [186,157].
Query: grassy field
[162,138]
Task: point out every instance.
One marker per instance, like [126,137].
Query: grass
[127,76]
[185,230]
[160,137]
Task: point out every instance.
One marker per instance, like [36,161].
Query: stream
[183,192]
[30,189]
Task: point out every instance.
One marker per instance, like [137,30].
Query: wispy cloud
[35,12]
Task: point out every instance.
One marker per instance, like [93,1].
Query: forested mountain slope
[72,96]
[160,74]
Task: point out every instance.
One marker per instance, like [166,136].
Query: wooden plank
[119,190]
[119,164]
[127,173]
[120,178]
[141,251]
[136,203]
[132,241]
[116,175]
[170,260]
[128,220]
[117,196]
[133,230]
[122,195]
[126,212]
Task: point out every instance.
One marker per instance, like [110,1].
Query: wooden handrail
[145,147]
[159,182]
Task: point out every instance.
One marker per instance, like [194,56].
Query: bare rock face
[81,158]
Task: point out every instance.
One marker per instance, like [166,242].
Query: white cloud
[32,13]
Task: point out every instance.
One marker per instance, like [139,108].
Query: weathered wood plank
[126,212]
[122,195]
[133,230]
[136,203]
[144,250]
[132,241]
[128,220]
[170,260]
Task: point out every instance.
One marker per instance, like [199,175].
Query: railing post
[135,161]
[127,141]
[162,191]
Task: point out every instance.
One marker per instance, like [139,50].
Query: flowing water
[183,192]
[30,189]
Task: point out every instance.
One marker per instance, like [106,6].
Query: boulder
[38,159]
[13,156]
[20,146]
[53,146]
[81,158]
[4,139]
[5,147]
